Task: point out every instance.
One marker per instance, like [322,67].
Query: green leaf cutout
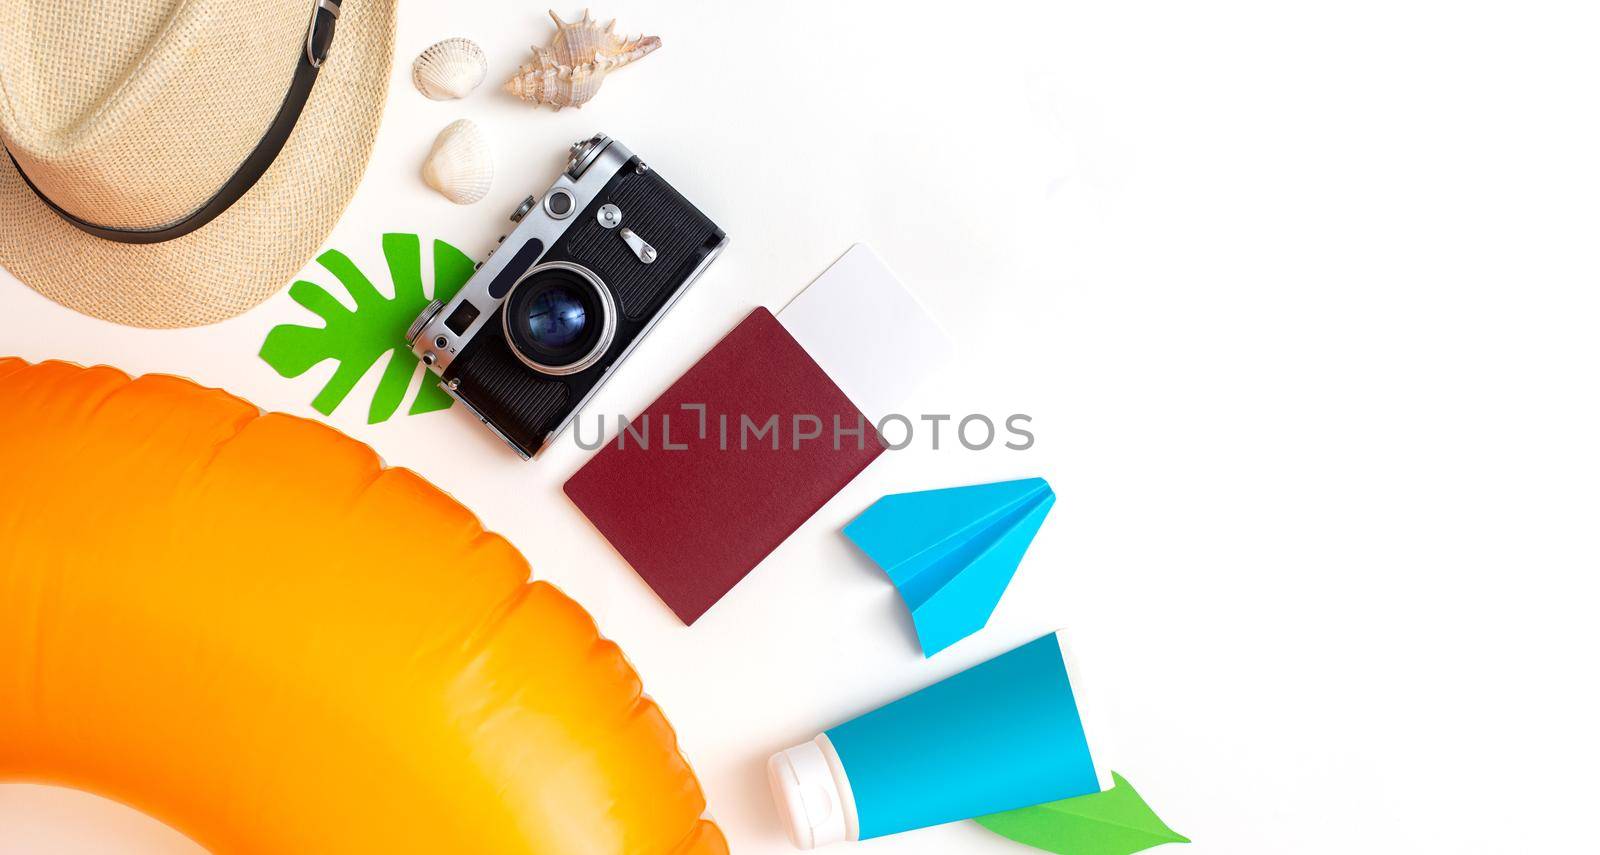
[1115,822]
[358,339]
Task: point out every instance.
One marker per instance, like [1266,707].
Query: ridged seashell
[571,69]
[449,69]
[459,166]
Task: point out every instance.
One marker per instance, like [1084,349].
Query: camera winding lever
[610,216]
[646,252]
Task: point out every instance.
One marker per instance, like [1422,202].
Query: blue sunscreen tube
[1006,734]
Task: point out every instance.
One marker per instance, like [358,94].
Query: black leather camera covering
[524,405]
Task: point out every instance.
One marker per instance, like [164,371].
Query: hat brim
[251,250]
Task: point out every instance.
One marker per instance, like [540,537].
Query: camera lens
[559,318]
[556,317]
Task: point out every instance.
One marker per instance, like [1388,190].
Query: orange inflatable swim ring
[246,626]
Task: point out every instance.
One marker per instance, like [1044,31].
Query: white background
[1302,299]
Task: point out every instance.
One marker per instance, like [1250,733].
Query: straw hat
[145,120]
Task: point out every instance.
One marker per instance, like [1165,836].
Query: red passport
[724,466]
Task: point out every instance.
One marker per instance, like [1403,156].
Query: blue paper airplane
[952,552]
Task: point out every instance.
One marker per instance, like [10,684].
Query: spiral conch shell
[571,69]
[459,166]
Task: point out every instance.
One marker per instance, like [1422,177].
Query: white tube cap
[813,795]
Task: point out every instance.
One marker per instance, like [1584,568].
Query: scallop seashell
[449,69]
[569,72]
[459,166]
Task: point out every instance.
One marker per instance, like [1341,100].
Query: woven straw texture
[133,113]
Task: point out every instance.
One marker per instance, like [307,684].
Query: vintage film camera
[589,269]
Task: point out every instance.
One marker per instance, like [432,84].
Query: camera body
[588,270]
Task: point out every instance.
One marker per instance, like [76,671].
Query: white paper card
[867,331]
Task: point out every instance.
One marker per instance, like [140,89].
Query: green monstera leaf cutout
[358,339]
[1115,822]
